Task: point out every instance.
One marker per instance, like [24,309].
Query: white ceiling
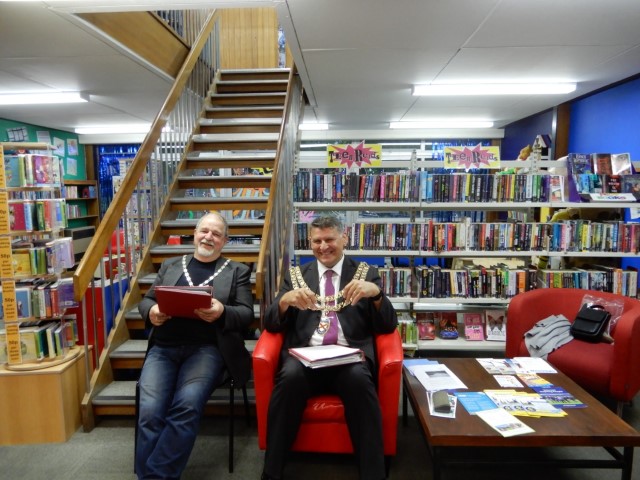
[358,58]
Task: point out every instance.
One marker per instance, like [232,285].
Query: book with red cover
[182,301]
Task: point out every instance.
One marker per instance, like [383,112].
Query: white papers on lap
[327,355]
[503,422]
[437,377]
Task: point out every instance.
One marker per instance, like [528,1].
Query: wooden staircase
[226,167]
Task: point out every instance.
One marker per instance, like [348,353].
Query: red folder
[182,301]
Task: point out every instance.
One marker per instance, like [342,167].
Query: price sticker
[14,352]
[6,261]
[4,213]
[3,176]
[9,301]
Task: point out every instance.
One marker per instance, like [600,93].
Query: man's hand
[356,290]
[156,317]
[210,314]
[302,298]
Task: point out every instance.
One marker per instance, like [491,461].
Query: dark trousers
[354,384]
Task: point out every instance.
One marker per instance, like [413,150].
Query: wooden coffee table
[593,426]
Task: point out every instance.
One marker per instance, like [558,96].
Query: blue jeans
[175,384]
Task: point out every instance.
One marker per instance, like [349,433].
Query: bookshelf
[34,254]
[480,235]
[82,203]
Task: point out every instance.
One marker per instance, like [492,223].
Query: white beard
[203,251]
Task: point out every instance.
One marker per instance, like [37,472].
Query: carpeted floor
[106,453]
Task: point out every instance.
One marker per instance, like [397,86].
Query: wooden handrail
[90,260]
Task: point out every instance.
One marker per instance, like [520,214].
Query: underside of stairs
[226,167]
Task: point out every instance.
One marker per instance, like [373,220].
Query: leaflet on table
[437,377]
[524,404]
[413,363]
[327,355]
[508,381]
[182,301]
[558,397]
[507,366]
[504,423]
[475,402]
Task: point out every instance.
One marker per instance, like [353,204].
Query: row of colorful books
[504,282]
[489,324]
[40,257]
[566,236]
[339,186]
[41,298]
[28,170]
[75,191]
[37,215]
[43,340]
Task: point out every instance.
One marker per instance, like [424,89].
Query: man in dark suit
[311,313]
[187,357]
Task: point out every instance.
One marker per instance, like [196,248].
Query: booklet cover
[182,301]
[327,355]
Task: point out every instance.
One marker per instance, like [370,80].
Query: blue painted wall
[518,135]
[608,121]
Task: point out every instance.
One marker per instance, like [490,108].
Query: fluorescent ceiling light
[448,123]
[314,126]
[113,129]
[41,98]
[493,89]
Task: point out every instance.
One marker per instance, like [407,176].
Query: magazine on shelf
[182,301]
[327,355]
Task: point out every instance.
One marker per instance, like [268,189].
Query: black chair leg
[135,428]
[231,418]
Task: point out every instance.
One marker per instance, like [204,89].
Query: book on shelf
[631,183]
[602,163]
[612,184]
[473,326]
[327,355]
[621,164]
[426,323]
[496,324]
[447,325]
[14,171]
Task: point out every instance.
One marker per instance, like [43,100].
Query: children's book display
[34,331]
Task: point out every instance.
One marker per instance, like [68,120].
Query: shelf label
[6,260]
[14,352]
[4,213]
[612,197]
[9,301]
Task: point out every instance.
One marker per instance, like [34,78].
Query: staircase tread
[187,222]
[234,137]
[262,155]
[151,277]
[196,200]
[240,178]
[240,121]
[248,94]
[252,80]
[255,70]
[123,392]
[133,348]
[189,248]
[242,108]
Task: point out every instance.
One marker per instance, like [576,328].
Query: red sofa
[609,370]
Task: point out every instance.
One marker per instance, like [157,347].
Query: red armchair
[608,370]
[323,427]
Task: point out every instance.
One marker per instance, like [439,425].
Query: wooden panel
[41,406]
[248,38]
[142,32]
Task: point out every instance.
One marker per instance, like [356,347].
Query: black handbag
[590,324]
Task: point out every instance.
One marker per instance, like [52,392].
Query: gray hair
[220,217]
[328,221]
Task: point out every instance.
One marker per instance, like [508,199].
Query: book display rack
[465,242]
[34,331]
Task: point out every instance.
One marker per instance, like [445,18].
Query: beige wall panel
[248,38]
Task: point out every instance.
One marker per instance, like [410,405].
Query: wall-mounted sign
[341,156]
[471,157]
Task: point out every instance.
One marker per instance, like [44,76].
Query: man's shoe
[267,477]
